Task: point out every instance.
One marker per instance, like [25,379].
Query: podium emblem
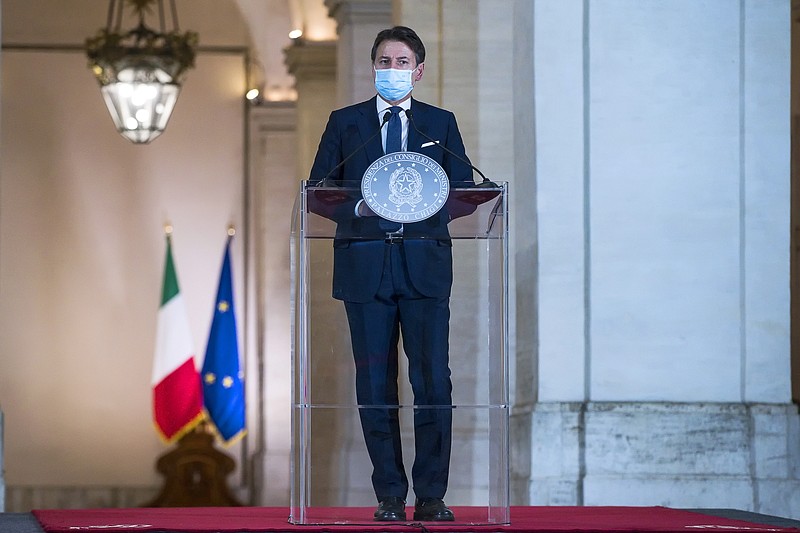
[405,187]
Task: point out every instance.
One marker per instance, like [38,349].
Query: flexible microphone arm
[485,183]
[384,120]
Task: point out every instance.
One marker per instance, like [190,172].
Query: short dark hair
[404,35]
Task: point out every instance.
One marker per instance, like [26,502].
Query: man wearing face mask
[396,278]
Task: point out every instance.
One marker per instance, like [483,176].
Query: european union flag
[223,386]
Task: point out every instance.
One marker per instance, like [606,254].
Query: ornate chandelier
[140,71]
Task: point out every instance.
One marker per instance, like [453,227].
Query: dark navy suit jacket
[359,246]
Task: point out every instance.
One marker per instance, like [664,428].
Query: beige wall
[82,245]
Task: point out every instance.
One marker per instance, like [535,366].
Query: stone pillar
[795,209]
[523,345]
[662,216]
[455,71]
[273,186]
[313,65]
[357,24]
[662,246]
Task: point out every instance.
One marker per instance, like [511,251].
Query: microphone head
[409,114]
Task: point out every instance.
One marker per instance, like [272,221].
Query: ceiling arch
[269,23]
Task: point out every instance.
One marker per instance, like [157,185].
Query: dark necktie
[394,132]
[394,143]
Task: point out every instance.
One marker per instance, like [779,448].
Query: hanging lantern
[140,71]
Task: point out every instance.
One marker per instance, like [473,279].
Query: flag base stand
[195,473]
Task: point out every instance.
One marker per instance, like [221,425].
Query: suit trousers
[375,327]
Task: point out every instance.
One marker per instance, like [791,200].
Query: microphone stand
[324,181]
[485,183]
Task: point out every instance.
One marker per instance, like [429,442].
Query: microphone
[485,183]
[384,120]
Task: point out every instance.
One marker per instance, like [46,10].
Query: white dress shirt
[383,106]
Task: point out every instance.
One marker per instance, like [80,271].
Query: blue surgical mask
[393,84]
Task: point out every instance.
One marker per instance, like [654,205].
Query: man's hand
[364,210]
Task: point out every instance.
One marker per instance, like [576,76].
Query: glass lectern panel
[331,468]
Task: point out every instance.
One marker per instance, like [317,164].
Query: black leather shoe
[432,510]
[391,509]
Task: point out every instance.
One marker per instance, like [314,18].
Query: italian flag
[177,390]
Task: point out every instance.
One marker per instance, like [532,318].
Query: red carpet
[273,519]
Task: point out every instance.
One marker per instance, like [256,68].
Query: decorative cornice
[311,59]
[274,116]
[359,11]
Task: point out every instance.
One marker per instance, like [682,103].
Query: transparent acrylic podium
[330,466]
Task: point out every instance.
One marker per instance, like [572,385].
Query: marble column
[272,190]
[524,223]
[313,65]
[357,24]
[661,138]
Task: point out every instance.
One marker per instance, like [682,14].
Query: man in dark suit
[396,278]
